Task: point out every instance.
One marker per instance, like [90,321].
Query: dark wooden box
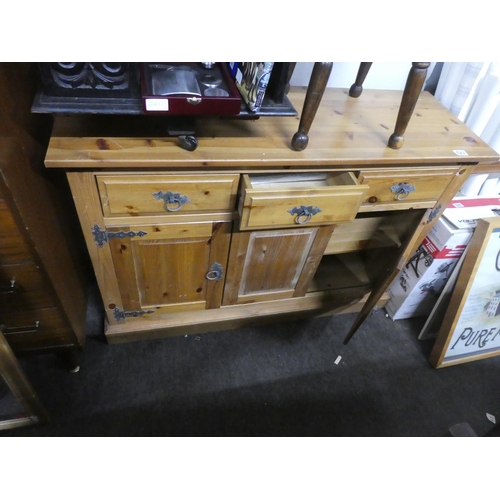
[208,80]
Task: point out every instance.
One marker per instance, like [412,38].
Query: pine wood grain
[345,132]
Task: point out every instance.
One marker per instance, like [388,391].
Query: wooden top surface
[346,131]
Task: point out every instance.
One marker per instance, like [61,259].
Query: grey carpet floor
[275,380]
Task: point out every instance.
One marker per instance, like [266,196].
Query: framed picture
[435,318]
[471,326]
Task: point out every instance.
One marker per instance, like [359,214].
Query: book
[251,80]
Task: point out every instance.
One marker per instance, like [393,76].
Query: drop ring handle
[215,273]
[402,190]
[173,201]
[303,214]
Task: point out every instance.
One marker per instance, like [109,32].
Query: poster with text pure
[478,329]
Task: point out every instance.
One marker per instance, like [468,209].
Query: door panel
[271,265]
[170,271]
[163,268]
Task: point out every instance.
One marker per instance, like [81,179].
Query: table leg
[410,247]
[413,87]
[70,360]
[317,84]
[357,86]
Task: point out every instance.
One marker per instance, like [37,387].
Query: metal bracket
[173,201]
[121,315]
[433,213]
[303,213]
[101,236]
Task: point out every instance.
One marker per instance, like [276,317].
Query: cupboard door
[169,268]
[272,265]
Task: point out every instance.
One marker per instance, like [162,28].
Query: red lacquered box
[189,89]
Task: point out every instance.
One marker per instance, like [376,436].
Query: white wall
[389,75]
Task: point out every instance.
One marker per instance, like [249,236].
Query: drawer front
[401,188]
[23,287]
[13,247]
[136,195]
[38,329]
[295,207]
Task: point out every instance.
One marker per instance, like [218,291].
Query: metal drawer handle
[303,214]
[402,190]
[215,273]
[9,288]
[194,100]
[173,201]
[13,330]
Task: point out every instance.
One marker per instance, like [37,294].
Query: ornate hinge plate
[121,315]
[433,213]
[101,236]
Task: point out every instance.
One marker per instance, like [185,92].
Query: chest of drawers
[244,229]
[43,296]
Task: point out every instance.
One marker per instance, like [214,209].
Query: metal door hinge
[121,315]
[433,213]
[101,236]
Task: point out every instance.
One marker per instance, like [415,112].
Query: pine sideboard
[244,229]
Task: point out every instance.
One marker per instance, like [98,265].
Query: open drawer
[291,200]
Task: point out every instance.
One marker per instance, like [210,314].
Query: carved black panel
[89,79]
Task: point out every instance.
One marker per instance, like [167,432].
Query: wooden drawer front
[135,195]
[13,248]
[397,189]
[296,200]
[23,287]
[37,329]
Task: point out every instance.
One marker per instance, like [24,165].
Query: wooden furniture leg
[18,383]
[407,250]
[387,279]
[357,86]
[413,87]
[317,84]
[70,360]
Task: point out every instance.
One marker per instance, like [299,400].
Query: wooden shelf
[336,272]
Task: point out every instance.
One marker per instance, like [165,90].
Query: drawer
[37,329]
[291,200]
[136,195]
[24,287]
[403,187]
[13,247]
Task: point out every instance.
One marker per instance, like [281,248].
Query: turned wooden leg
[317,84]
[70,360]
[389,274]
[357,86]
[413,87]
